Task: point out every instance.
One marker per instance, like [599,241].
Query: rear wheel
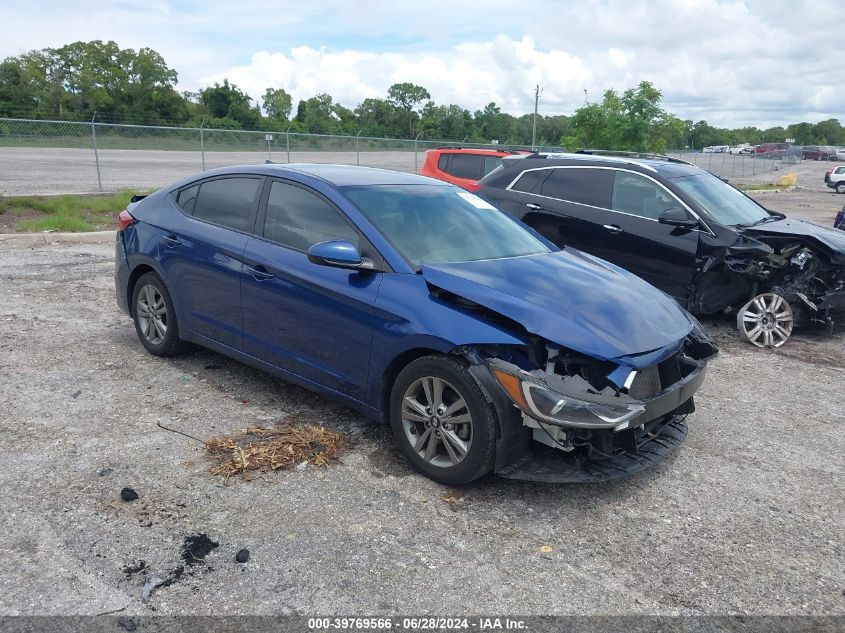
[154,316]
[840,187]
[441,421]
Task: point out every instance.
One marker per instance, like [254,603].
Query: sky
[731,63]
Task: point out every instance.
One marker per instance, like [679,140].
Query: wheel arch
[134,276]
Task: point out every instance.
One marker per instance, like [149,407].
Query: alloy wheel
[152,314]
[766,320]
[437,421]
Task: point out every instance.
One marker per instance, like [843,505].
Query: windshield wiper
[769,218]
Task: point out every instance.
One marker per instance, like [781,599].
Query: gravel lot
[746,518]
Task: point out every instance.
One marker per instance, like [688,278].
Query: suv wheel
[766,320]
[840,187]
[441,421]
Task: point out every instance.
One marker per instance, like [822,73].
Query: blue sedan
[482,345]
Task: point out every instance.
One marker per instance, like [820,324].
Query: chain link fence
[52,157]
[747,167]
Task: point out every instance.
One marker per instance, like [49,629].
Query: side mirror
[337,254]
[678,217]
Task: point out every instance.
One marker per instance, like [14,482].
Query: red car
[463,166]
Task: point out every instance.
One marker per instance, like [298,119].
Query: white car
[840,153]
[744,148]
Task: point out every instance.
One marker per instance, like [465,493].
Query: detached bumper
[654,444]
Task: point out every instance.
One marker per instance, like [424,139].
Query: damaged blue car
[485,347]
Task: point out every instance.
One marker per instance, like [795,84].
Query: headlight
[547,405]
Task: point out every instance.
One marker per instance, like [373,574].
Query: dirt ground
[746,518]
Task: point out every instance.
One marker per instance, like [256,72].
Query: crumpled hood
[572,299]
[832,240]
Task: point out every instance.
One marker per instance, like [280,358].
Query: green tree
[227,101]
[632,121]
[277,104]
[407,96]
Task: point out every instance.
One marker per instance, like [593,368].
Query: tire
[160,335]
[840,187]
[442,458]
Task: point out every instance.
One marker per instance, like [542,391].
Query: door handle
[259,273]
[171,240]
[612,228]
[533,207]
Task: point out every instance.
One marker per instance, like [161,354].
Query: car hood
[572,299]
[830,239]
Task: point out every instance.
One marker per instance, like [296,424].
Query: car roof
[337,175]
[479,151]
[664,167]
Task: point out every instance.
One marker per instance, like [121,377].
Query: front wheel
[441,421]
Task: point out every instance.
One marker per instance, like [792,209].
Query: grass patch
[61,223]
[759,186]
[72,213]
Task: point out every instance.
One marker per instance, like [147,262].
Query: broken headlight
[539,401]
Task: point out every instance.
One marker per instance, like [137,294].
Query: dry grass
[268,449]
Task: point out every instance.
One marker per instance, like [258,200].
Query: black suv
[683,230]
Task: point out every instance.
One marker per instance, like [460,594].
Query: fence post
[357,149]
[96,153]
[202,142]
[287,140]
[722,169]
[416,158]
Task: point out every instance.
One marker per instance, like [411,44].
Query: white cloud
[731,62]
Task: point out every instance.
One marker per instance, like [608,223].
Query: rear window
[490,163]
[187,198]
[584,186]
[466,166]
[228,202]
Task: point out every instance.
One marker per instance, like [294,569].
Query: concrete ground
[746,518]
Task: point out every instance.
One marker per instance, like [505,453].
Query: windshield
[435,224]
[722,202]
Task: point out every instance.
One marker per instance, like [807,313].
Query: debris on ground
[267,449]
[105,471]
[196,547]
[242,556]
[452,500]
[134,567]
[127,623]
[76,394]
[149,587]
[128,494]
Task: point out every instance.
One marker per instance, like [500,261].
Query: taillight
[474,186]
[124,220]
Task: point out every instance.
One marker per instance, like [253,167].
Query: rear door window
[637,195]
[299,218]
[530,181]
[229,202]
[584,186]
[466,166]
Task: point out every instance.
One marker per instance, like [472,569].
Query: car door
[633,238]
[311,320]
[201,254]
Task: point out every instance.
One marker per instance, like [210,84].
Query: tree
[227,101]
[633,121]
[277,104]
[407,96]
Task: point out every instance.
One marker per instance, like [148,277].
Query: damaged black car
[687,232]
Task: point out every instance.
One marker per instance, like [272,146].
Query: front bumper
[651,445]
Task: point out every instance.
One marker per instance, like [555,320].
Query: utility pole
[537,92]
